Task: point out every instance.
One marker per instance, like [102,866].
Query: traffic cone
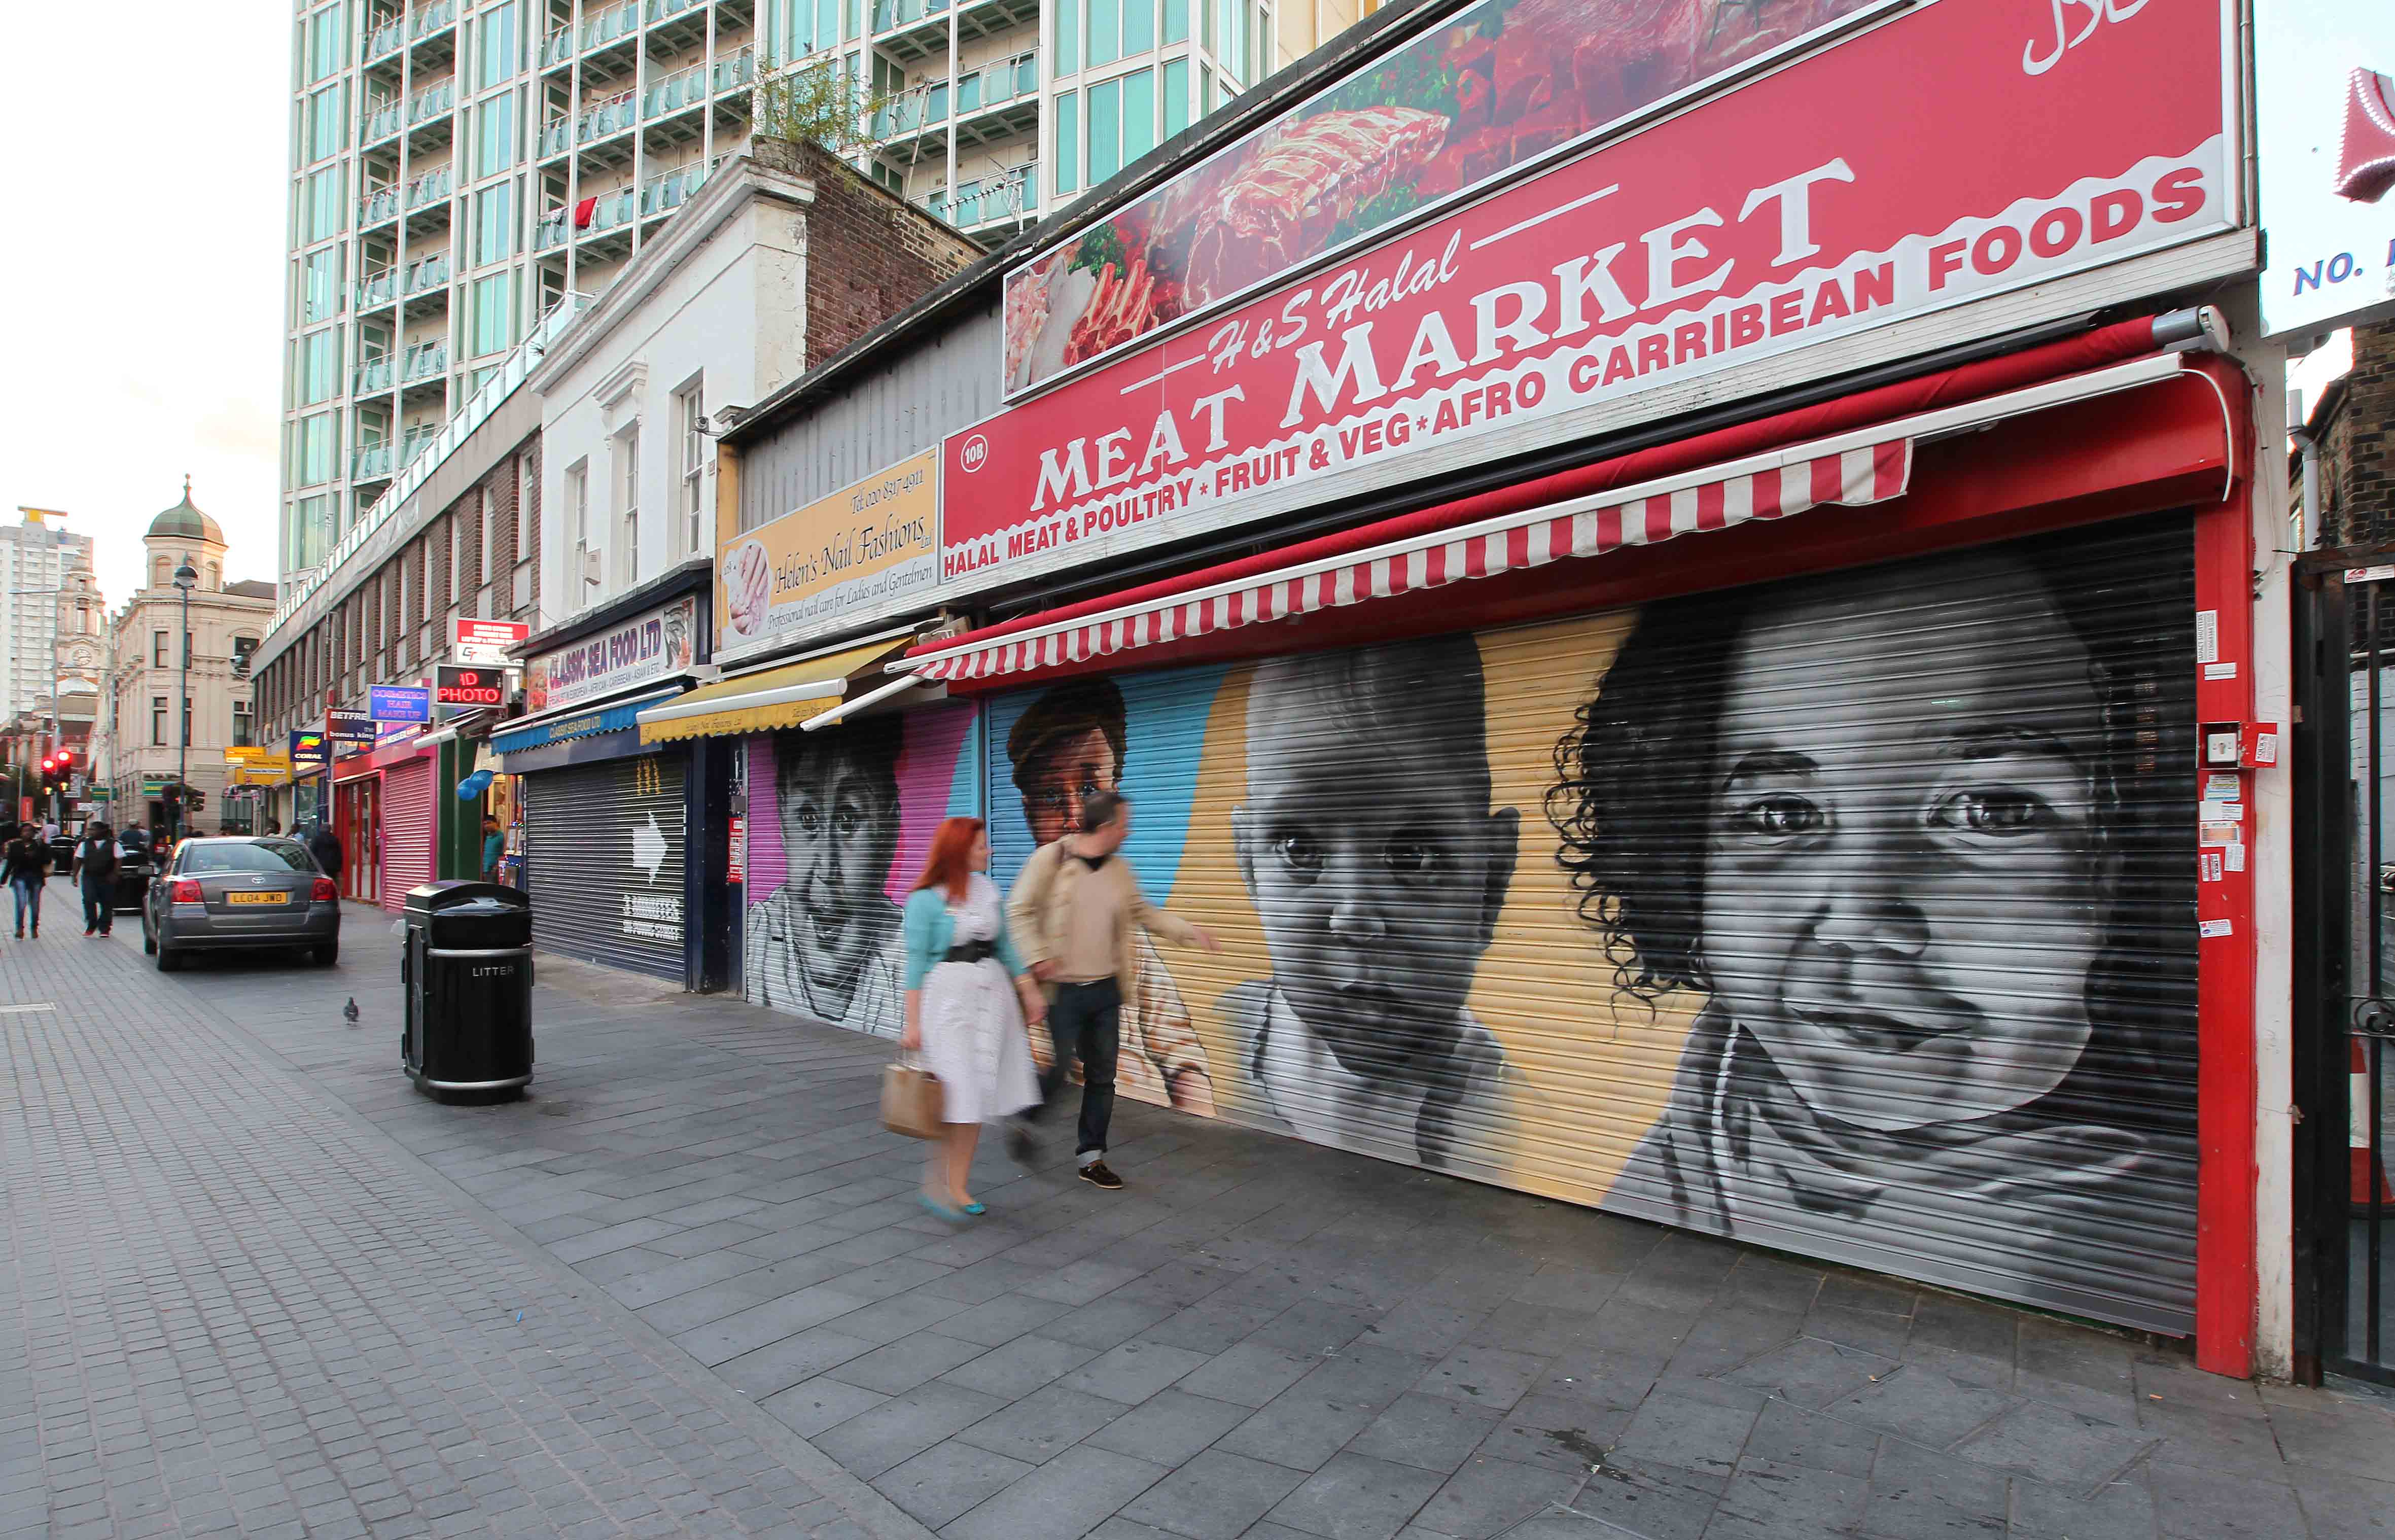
[2368,1184]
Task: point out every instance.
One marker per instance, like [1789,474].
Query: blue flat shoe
[951,1215]
[976,1210]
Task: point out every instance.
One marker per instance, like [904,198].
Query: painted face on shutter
[1905,882]
[840,830]
[1064,777]
[1369,850]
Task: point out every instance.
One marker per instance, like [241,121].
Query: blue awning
[557,726]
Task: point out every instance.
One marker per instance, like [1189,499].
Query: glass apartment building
[460,166]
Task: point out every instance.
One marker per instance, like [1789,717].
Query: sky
[144,275]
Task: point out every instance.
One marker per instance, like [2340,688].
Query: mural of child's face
[840,830]
[1905,885]
[1066,773]
[1379,883]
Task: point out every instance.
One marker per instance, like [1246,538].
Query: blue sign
[309,749]
[399,703]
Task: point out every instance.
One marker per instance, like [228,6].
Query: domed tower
[184,533]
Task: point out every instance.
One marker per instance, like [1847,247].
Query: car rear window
[249,856]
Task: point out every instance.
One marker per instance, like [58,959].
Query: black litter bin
[467,977]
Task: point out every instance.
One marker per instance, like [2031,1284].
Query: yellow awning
[763,702]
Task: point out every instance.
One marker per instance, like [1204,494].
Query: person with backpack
[94,872]
[25,866]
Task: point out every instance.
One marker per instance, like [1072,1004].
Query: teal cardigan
[927,928]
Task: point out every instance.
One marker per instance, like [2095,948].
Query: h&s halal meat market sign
[1962,149]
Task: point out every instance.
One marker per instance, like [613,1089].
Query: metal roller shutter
[1852,915]
[406,831]
[603,849]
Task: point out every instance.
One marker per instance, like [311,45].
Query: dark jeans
[100,907]
[28,894]
[1085,1022]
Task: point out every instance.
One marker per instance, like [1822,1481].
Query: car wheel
[327,955]
[169,958]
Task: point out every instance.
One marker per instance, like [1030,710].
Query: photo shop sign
[1959,150]
[875,541]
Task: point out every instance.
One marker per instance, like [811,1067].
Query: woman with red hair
[959,1013]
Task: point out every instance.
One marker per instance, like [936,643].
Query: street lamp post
[185,581]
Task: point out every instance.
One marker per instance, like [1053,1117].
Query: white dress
[972,1024]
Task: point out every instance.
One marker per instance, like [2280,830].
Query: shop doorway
[2344,741]
[358,814]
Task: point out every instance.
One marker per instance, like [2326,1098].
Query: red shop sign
[1959,150]
[455,686]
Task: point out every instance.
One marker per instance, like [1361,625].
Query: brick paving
[1259,1340]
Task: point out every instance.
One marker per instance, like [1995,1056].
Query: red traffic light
[66,756]
[49,766]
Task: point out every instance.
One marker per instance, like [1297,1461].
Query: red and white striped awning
[1769,486]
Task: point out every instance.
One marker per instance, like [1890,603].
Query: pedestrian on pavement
[494,848]
[273,826]
[94,871]
[25,866]
[961,1015]
[1076,913]
[325,849]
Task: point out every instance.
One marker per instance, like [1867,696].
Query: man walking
[25,866]
[1076,914]
[94,872]
[494,848]
[325,849]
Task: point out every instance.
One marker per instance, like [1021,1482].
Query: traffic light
[66,758]
[197,798]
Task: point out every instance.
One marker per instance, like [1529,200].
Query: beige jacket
[1035,913]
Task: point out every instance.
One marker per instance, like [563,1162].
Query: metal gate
[603,848]
[2344,975]
[406,831]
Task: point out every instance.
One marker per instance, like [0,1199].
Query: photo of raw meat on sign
[1500,83]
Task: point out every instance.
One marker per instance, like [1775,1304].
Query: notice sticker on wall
[2220,670]
[2210,872]
[2228,788]
[2236,854]
[2208,636]
[2207,929]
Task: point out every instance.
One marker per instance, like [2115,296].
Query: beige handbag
[912,1099]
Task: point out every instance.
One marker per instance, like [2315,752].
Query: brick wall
[2358,465]
[870,254]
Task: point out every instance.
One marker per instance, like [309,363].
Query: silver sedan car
[241,891]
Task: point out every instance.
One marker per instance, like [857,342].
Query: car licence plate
[256,897]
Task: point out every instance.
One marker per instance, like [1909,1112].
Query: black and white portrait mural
[1852,915]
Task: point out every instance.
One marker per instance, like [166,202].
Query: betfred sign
[457,686]
[1959,150]
[486,643]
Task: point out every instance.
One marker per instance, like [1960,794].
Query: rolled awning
[1865,464]
[768,701]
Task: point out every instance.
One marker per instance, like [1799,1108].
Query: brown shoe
[1097,1175]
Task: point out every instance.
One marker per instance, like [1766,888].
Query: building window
[524,498]
[490,506]
[494,313]
[495,225]
[691,407]
[158,649]
[158,722]
[577,535]
[498,45]
[628,504]
[1068,141]
[187,719]
[243,736]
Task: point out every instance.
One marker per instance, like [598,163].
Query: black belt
[971,952]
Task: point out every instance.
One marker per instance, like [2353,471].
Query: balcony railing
[479,407]
[432,187]
[550,228]
[378,205]
[377,289]
[611,23]
[612,209]
[913,113]
[611,117]
[662,194]
[660,9]
[372,376]
[424,361]
[424,276]
[382,120]
[905,13]
[737,71]
[384,36]
[417,440]
[675,91]
[431,19]
[557,47]
[1009,194]
[556,138]
[371,463]
[995,84]
[431,102]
